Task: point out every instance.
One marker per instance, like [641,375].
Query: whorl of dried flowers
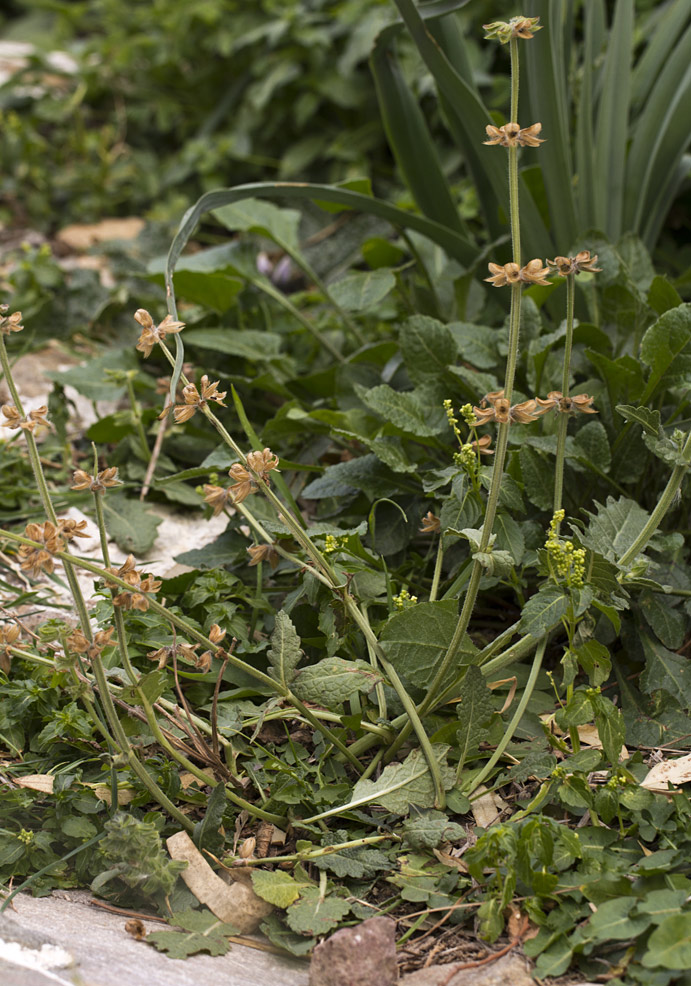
[10,323]
[104,480]
[263,552]
[36,419]
[196,400]
[152,334]
[134,598]
[517,27]
[431,524]
[582,262]
[555,401]
[531,273]
[78,643]
[511,135]
[40,559]
[258,464]
[9,635]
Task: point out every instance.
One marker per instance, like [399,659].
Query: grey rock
[107,956]
[360,956]
[510,969]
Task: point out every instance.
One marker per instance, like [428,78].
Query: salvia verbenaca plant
[256,473]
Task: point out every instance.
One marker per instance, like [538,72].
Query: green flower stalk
[567,267]
[513,274]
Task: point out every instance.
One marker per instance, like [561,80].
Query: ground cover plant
[436,664]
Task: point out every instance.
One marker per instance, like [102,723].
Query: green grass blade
[669,25]
[660,137]
[611,133]
[546,68]
[653,225]
[409,139]
[594,17]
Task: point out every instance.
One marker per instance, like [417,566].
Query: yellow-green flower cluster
[331,544]
[404,600]
[566,562]
[451,418]
[466,458]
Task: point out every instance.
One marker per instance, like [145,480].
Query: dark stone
[360,956]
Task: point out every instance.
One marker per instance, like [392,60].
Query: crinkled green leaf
[474,711]
[669,946]
[247,343]
[430,829]
[363,289]
[667,670]
[418,412]
[668,448]
[285,653]
[544,610]
[591,445]
[334,681]
[203,933]
[644,416]
[416,640]
[615,527]
[665,346]
[668,624]
[366,474]
[357,863]
[276,887]
[428,347]
[130,523]
[401,785]
[314,915]
[265,218]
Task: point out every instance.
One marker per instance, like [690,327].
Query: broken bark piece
[359,956]
[236,904]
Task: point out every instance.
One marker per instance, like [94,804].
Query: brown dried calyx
[511,135]
[532,273]
[106,479]
[134,598]
[40,559]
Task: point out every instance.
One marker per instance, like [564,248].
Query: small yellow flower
[511,135]
[152,334]
[563,266]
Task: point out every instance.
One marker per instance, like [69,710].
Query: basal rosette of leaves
[340,575]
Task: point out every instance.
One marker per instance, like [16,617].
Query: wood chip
[674,772]
[237,904]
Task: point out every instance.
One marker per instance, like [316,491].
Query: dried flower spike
[70,529]
[106,478]
[511,135]
[151,334]
[563,266]
[502,412]
[517,27]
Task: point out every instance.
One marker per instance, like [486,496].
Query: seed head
[511,135]
[517,27]
[431,524]
[151,334]
[10,323]
[563,266]
[106,479]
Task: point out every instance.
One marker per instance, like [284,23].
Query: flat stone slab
[104,954]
